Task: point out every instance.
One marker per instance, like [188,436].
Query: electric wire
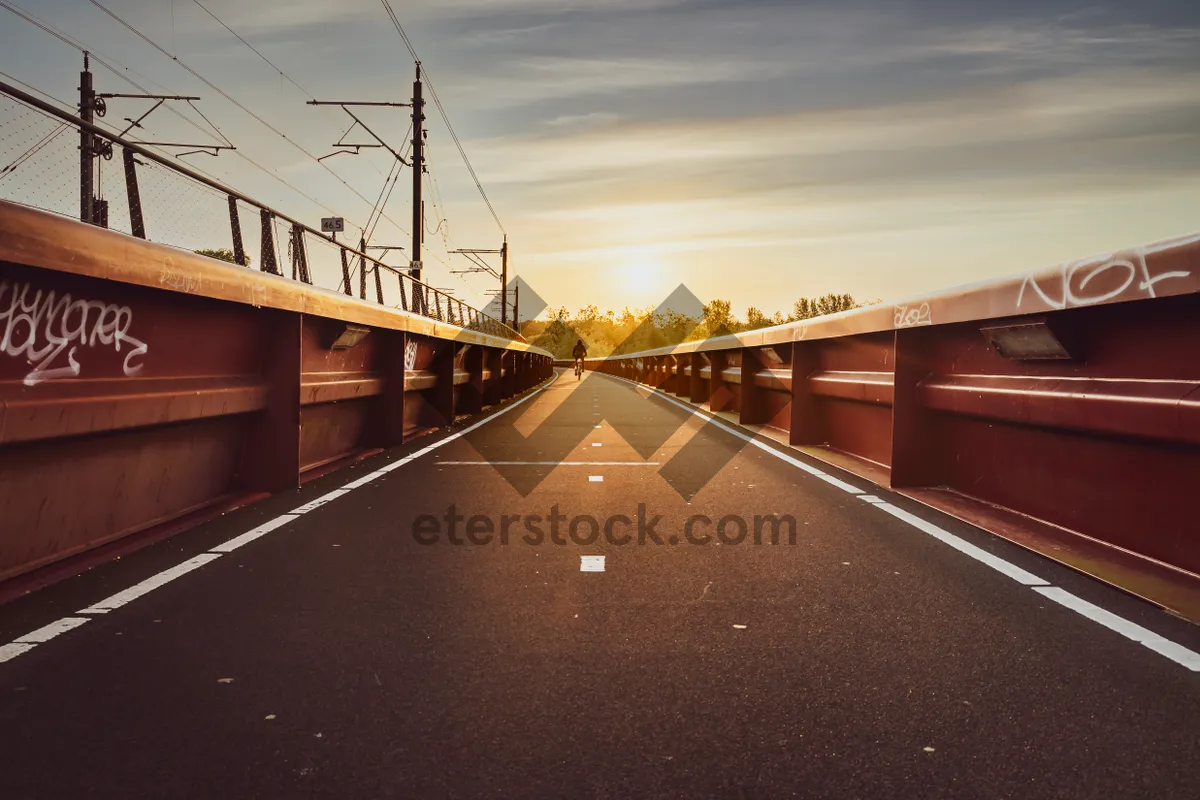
[282,74]
[230,98]
[442,111]
[103,61]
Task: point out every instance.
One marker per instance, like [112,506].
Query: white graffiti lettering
[42,326]
[910,316]
[1091,281]
[410,355]
[178,279]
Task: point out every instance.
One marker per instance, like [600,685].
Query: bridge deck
[890,651]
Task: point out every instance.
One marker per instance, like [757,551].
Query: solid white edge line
[966,548]
[251,535]
[709,417]
[365,479]
[48,632]
[150,584]
[24,644]
[1130,630]
[313,505]
[547,463]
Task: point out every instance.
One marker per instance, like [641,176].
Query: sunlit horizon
[754,151]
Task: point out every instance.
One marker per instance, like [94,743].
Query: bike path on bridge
[891,651]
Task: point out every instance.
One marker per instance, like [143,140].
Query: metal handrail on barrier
[417,297]
[145,387]
[1059,407]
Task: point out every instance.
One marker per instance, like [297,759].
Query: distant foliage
[221,254]
[631,330]
[756,319]
[809,307]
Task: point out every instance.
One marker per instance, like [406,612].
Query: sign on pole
[333,224]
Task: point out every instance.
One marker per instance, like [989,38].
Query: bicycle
[578,368]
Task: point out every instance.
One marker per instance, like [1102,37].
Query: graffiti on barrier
[1125,276]
[906,316]
[48,329]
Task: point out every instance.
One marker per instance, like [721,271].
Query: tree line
[629,331]
[608,333]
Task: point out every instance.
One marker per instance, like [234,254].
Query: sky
[755,151]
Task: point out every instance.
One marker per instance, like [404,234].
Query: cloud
[539,79]
[583,120]
[1122,104]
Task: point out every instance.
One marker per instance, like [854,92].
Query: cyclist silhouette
[580,353]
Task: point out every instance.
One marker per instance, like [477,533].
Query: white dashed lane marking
[1130,630]
[591,563]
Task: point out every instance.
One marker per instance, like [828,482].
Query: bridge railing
[1059,408]
[146,195]
[144,388]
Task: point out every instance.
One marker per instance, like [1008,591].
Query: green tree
[718,320]
[675,325]
[221,254]
[632,330]
[808,307]
[757,319]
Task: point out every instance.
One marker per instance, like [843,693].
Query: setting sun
[640,276]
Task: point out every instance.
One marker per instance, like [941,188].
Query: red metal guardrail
[1058,408]
[142,385]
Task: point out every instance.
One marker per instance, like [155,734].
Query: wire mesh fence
[175,209]
[39,159]
[140,193]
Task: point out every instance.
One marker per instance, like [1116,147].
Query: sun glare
[640,275]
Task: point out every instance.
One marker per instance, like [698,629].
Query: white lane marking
[547,463]
[595,479]
[439,443]
[48,632]
[365,479]
[795,462]
[25,643]
[1152,641]
[250,536]
[591,563]
[596,444]
[150,584]
[10,651]
[312,505]
[966,548]
[870,498]
[1130,630]
[599,426]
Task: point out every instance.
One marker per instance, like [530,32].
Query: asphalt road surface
[343,641]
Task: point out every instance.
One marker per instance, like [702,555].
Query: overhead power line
[228,97]
[286,77]
[282,74]
[442,111]
[104,61]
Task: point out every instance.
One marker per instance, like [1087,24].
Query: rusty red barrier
[140,384]
[1059,408]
